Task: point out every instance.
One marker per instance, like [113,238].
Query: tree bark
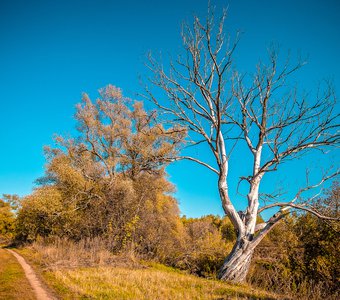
[236,266]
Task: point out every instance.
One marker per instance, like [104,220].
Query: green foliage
[321,243]
[206,241]
[42,214]
[7,218]
[320,240]
[301,255]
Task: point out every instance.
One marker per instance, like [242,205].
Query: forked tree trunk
[236,266]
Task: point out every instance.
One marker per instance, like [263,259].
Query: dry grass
[61,253]
[13,283]
[158,282]
[88,271]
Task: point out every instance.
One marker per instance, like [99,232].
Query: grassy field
[146,281]
[156,282]
[13,283]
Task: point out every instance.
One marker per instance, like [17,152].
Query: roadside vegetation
[73,274]
[298,259]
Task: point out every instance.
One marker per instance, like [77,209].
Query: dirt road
[40,292]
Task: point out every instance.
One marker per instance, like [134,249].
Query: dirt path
[38,288]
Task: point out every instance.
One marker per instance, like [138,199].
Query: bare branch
[298,195]
[288,205]
[197,161]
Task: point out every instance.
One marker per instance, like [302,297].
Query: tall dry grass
[59,253]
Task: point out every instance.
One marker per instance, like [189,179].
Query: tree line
[109,182]
[298,258]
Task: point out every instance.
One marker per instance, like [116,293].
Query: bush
[7,220]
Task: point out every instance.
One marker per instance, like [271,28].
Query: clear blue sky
[52,51]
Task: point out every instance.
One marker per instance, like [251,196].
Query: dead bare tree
[220,107]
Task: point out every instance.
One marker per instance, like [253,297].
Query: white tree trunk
[236,266]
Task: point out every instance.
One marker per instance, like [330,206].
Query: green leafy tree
[7,218]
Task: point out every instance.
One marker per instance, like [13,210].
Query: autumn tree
[224,109]
[7,217]
[109,180]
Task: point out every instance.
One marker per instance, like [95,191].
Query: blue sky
[52,51]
